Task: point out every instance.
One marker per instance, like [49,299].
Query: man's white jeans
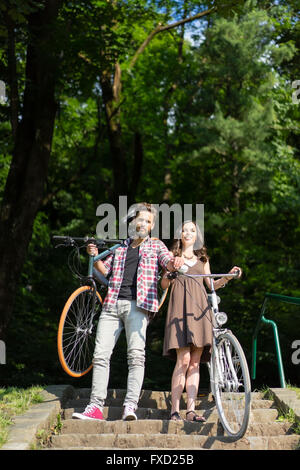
[135,321]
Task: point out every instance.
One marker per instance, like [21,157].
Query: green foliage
[218,127]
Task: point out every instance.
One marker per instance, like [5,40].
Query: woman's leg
[178,377]
[193,377]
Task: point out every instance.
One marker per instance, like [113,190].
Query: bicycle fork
[89,319]
[226,373]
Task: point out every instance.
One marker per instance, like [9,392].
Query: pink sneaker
[91,412]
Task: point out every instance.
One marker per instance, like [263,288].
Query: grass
[43,436]
[15,401]
[265,390]
[289,416]
[295,389]
[286,415]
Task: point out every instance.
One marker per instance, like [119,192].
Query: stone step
[260,415]
[118,449]
[155,431]
[213,428]
[203,404]
[154,395]
[173,441]
[161,404]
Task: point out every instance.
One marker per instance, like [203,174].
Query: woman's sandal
[175,416]
[195,418]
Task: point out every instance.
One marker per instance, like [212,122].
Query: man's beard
[134,233]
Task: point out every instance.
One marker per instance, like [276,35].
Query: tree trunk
[12,74]
[27,176]
[137,167]
[111,98]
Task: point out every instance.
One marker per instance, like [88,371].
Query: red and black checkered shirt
[152,253]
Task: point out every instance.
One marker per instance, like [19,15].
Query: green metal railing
[262,319]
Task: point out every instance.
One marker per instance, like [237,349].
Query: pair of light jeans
[125,315]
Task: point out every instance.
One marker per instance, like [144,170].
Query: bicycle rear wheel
[77,331]
[232,387]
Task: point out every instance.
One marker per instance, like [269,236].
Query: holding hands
[178,261]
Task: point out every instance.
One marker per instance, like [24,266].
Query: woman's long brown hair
[176,249]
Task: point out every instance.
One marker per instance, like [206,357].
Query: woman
[188,329]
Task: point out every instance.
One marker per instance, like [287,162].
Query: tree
[200,122]
[43,24]
[32,147]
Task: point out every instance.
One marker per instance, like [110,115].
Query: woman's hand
[234,270]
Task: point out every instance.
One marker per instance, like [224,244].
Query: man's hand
[175,263]
[92,249]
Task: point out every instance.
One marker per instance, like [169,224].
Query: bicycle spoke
[78,332]
[232,385]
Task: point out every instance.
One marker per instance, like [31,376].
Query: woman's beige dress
[189,318]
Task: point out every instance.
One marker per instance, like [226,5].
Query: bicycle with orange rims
[79,319]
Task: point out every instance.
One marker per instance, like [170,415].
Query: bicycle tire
[75,341]
[231,385]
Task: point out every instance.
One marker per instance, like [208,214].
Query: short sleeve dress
[189,317]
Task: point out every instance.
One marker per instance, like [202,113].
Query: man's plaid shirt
[152,252]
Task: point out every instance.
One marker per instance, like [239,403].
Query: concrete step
[150,394]
[260,415]
[143,403]
[155,431]
[213,428]
[173,441]
[201,404]
[115,451]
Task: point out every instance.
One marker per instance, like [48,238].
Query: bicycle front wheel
[77,331]
[232,387]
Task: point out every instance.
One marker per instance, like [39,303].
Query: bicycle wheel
[77,331]
[232,387]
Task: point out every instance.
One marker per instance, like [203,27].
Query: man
[130,301]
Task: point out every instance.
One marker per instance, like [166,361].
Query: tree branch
[160,28]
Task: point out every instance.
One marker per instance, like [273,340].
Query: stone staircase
[154,430]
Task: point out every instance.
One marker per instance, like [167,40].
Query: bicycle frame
[78,321]
[228,372]
[217,330]
[213,295]
[93,259]
[92,273]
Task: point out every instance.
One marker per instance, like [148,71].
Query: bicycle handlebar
[71,241]
[174,274]
[214,275]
